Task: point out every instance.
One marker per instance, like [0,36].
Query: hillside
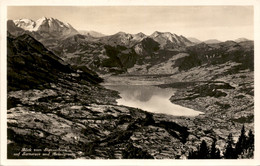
[67,109]
[30,65]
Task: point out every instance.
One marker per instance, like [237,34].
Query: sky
[202,22]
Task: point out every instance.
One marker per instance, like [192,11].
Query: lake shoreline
[150,98]
[220,115]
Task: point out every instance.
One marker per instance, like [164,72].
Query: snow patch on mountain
[26,24]
[169,40]
[46,25]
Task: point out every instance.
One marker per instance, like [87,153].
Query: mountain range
[213,41]
[160,52]
[53,27]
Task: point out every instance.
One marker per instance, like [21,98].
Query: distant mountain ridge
[194,40]
[241,40]
[91,33]
[166,40]
[212,41]
[50,31]
[128,53]
[53,28]
[123,39]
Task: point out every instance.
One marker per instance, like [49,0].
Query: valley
[82,93]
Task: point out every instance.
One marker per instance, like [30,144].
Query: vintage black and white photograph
[130,82]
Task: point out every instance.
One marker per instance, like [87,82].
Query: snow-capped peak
[168,39]
[26,24]
[165,35]
[46,25]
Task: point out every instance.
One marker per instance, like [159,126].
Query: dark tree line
[244,147]
[204,152]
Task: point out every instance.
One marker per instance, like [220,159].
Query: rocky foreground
[80,120]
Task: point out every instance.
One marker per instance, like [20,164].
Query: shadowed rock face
[13,29]
[146,47]
[27,62]
[31,65]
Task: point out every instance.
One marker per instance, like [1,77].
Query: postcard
[129,82]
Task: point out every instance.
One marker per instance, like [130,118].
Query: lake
[150,98]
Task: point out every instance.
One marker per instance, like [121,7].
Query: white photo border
[3,80]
